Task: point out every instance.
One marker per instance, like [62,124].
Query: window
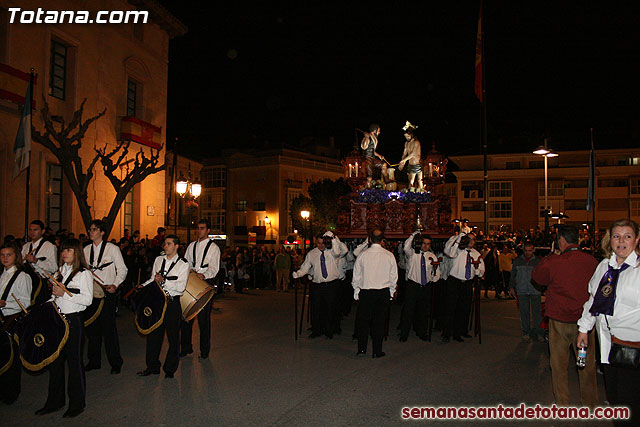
[259,206]
[500,189]
[241,206]
[536,164]
[499,209]
[472,207]
[472,189]
[131,98]
[613,182]
[214,177]
[128,211]
[634,161]
[635,207]
[54,196]
[218,221]
[576,183]
[611,205]
[58,70]
[634,185]
[513,165]
[555,188]
[575,205]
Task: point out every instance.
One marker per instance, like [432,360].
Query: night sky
[245,74]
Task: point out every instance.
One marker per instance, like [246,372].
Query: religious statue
[411,156]
[373,160]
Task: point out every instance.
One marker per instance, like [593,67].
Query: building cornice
[168,22]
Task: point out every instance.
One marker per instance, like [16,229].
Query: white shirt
[83,280]
[361,248]
[211,264]
[180,270]
[313,265]
[459,259]
[114,273]
[375,268]
[21,289]
[47,251]
[414,261]
[625,322]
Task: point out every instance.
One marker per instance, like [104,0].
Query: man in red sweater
[566,277]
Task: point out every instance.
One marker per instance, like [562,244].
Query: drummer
[42,255]
[171,272]
[203,256]
[105,260]
[15,285]
[75,276]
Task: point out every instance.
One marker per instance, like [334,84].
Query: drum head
[6,352]
[41,335]
[150,304]
[196,303]
[91,313]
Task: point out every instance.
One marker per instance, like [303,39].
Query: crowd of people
[433,280]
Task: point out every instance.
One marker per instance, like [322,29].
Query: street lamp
[189,191]
[267,221]
[305,215]
[546,153]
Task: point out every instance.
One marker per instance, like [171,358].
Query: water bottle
[582,357]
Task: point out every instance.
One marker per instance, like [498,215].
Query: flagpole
[484,129]
[26,203]
[593,214]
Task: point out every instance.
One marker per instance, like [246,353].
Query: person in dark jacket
[529,299]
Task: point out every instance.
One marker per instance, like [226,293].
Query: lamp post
[267,221]
[190,191]
[305,215]
[546,153]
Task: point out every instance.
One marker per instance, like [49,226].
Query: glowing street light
[546,153]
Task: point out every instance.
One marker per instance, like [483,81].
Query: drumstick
[64,288]
[18,301]
[97,279]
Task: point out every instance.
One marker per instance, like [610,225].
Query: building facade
[516,188]
[122,68]
[247,194]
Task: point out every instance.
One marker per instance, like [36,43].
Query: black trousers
[370,318]
[10,380]
[104,327]
[323,313]
[623,389]
[459,295]
[204,323]
[71,355]
[171,325]
[416,309]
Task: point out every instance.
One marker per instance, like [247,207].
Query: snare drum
[150,304]
[98,291]
[41,334]
[197,294]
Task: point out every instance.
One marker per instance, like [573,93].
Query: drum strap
[204,254]
[173,264]
[5,294]
[100,254]
[37,249]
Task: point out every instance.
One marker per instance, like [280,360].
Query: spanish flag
[478,83]
[134,129]
[13,84]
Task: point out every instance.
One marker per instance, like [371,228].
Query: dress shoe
[314,335]
[45,410]
[361,353]
[445,340]
[89,367]
[376,356]
[115,370]
[72,413]
[403,339]
[168,375]
[203,356]
[147,372]
[184,353]
[466,336]
[426,338]
[459,339]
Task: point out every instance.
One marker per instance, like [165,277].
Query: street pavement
[257,374]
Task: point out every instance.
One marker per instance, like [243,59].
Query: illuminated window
[500,189]
[499,210]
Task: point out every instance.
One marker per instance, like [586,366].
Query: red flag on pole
[478,83]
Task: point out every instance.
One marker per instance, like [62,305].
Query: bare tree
[66,144]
